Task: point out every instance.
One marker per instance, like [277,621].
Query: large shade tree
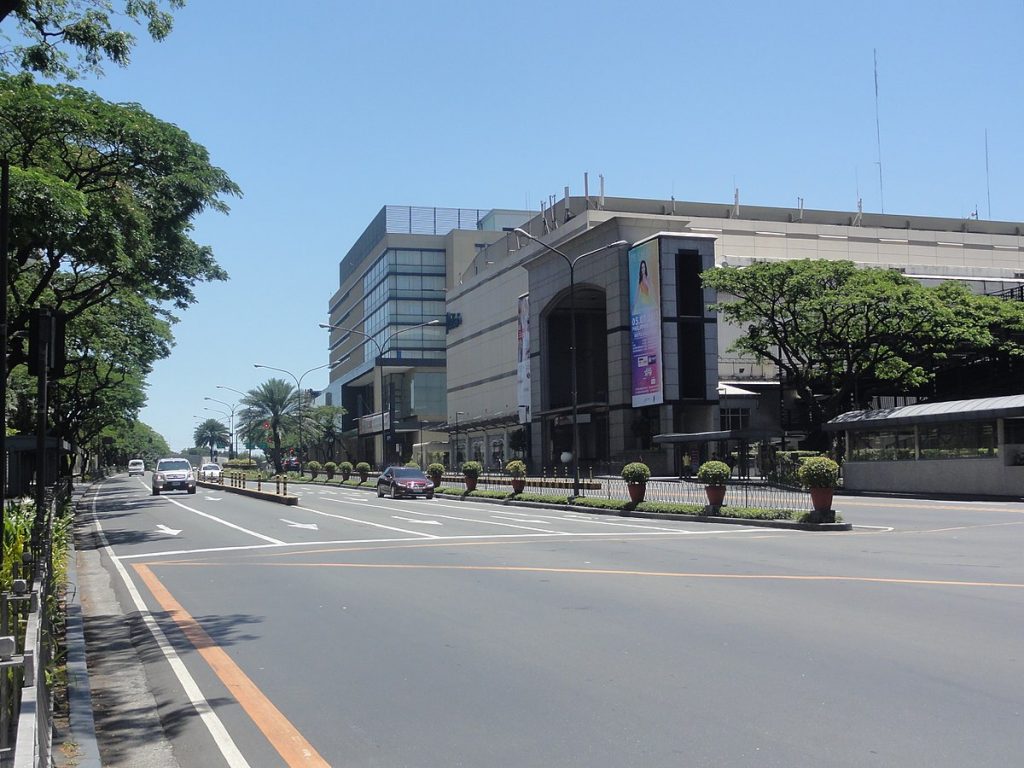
[65,38]
[275,403]
[103,197]
[842,334]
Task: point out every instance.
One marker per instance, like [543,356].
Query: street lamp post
[234,440]
[386,435]
[298,387]
[231,445]
[456,456]
[572,342]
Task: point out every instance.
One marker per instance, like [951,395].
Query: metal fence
[754,493]
[27,642]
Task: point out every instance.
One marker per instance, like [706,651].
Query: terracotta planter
[470,483]
[715,494]
[436,480]
[821,500]
[636,491]
[363,476]
[345,475]
[518,484]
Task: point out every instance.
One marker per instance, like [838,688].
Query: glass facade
[955,440]
[403,288]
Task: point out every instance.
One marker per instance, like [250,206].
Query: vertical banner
[645,323]
[523,360]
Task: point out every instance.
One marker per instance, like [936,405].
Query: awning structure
[981,409]
[733,391]
[748,435]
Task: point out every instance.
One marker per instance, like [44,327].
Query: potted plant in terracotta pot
[636,474]
[517,469]
[435,472]
[714,474]
[330,469]
[363,470]
[820,475]
[346,470]
[470,472]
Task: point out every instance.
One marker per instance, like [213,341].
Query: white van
[136,467]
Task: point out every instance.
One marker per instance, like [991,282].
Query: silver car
[173,475]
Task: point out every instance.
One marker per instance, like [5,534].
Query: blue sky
[323,112]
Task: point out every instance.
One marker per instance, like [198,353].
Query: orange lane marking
[284,737]
[606,572]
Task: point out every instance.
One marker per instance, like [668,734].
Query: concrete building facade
[706,387]
[388,368]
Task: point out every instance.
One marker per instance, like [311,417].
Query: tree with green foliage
[103,197]
[212,434]
[276,403]
[842,334]
[66,38]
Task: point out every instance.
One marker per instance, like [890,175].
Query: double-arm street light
[234,440]
[231,445]
[298,387]
[572,332]
[386,434]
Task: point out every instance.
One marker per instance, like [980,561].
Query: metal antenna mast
[878,136]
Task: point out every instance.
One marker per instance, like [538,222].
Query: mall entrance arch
[592,378]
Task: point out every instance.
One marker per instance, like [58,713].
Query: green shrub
[540,498]
[636,472]
[487,494]
[818,472]
[472,469]
[330,468]
[412,465]
[516,468]
[435,469]
[314,468]
[345,467]
[714,473]
[362,469]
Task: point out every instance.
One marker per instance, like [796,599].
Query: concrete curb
[783,524]
[251,493]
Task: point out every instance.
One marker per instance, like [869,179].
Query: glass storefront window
[956,440]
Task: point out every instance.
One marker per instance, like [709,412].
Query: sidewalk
[113,716]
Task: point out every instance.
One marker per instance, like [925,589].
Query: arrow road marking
[414,520]
[168,531]
[293,524]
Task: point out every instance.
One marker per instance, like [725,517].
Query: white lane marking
[420,537]
[520,520]
[421,522]
[232,756]
[883,528]
[365,522]
[214,498]
[293,524]
[489,522]
[224,522]
[168,531]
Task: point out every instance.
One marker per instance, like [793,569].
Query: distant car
[136,467]
[209,472]
[404,481]
[173,475]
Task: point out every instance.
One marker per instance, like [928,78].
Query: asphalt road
[356,631]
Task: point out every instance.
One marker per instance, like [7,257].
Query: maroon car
[404,481]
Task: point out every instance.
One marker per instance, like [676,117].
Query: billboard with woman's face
[645,324]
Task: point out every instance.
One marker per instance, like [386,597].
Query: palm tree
[212,433]
[276,403]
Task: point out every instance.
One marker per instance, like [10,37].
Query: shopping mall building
[655,377]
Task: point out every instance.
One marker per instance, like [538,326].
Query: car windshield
[174,464]
[208,467]
[409,474]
